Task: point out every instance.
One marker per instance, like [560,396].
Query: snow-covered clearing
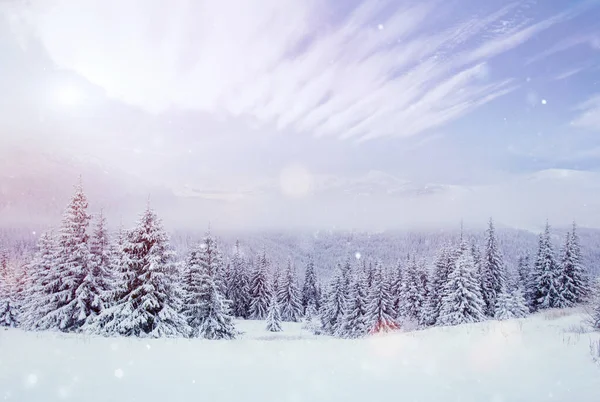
[543,358]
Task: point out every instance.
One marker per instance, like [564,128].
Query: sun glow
[69,96]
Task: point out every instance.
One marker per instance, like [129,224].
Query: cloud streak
[376,72]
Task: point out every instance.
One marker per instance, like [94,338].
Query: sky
[320,114]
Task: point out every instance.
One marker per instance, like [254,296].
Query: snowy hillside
[543,358]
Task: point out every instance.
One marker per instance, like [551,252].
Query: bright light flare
[69,96]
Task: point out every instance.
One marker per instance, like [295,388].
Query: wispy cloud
[589,114]
[386,69]
[591,40]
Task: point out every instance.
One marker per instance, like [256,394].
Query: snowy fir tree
[503,307]
[216,323]
[564,280]
[309,289]
[310,319]
[205,307]
[38,286]
[523,269]
[397,288]
[260,289]
[151,301]
[380,305]
[99,280]
[355,311]
[545,275]
[334,303]
[518,307]
[274,316]
[239,285]
[413,293]
[573,279]
[461,297]
[71,302]
[493,271]
[8,293]
[442,268]
[581,276]
[288,295]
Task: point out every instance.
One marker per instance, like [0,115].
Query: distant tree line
[131,283]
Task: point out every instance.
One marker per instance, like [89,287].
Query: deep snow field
[542,358]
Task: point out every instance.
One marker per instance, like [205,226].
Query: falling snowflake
[119,373]
[357,255]
[380,27]
[544,101]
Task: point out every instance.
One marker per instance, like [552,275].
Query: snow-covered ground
[543,358]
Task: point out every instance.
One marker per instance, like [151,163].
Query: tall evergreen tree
[289,296]
[41,281]
[150,303]
[8,293]
[545,275]
[72,302]
[573,278]
[523,269]
[566,284]
[442,268]
[518,307]
[334,304]
[355,311]
[274,316]
[260,289]
[205,307]
[380,312]
[239,285]
[461,299]
[309,290]
[99,278]
[397,289]
[493,271]
[413,295]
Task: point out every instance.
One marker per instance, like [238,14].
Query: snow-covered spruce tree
[274,316]
[309,290]
[573,279]
[545,275]
[288,295]
[72,301]
[216,322]
[275,277]
[149,303]
[412,300]
[310,319]
[493,271]
[518,307]
[523,269]
[239,285]
[8,293]
[566,285]
[260,289]
[397,288]
[99,279]
[355,311]
[595,299]
[380,312]
[204,305]
[503,307]
[461,297]
[581,276]
[40,284]
[441,271]
[3,261]
[334,304]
